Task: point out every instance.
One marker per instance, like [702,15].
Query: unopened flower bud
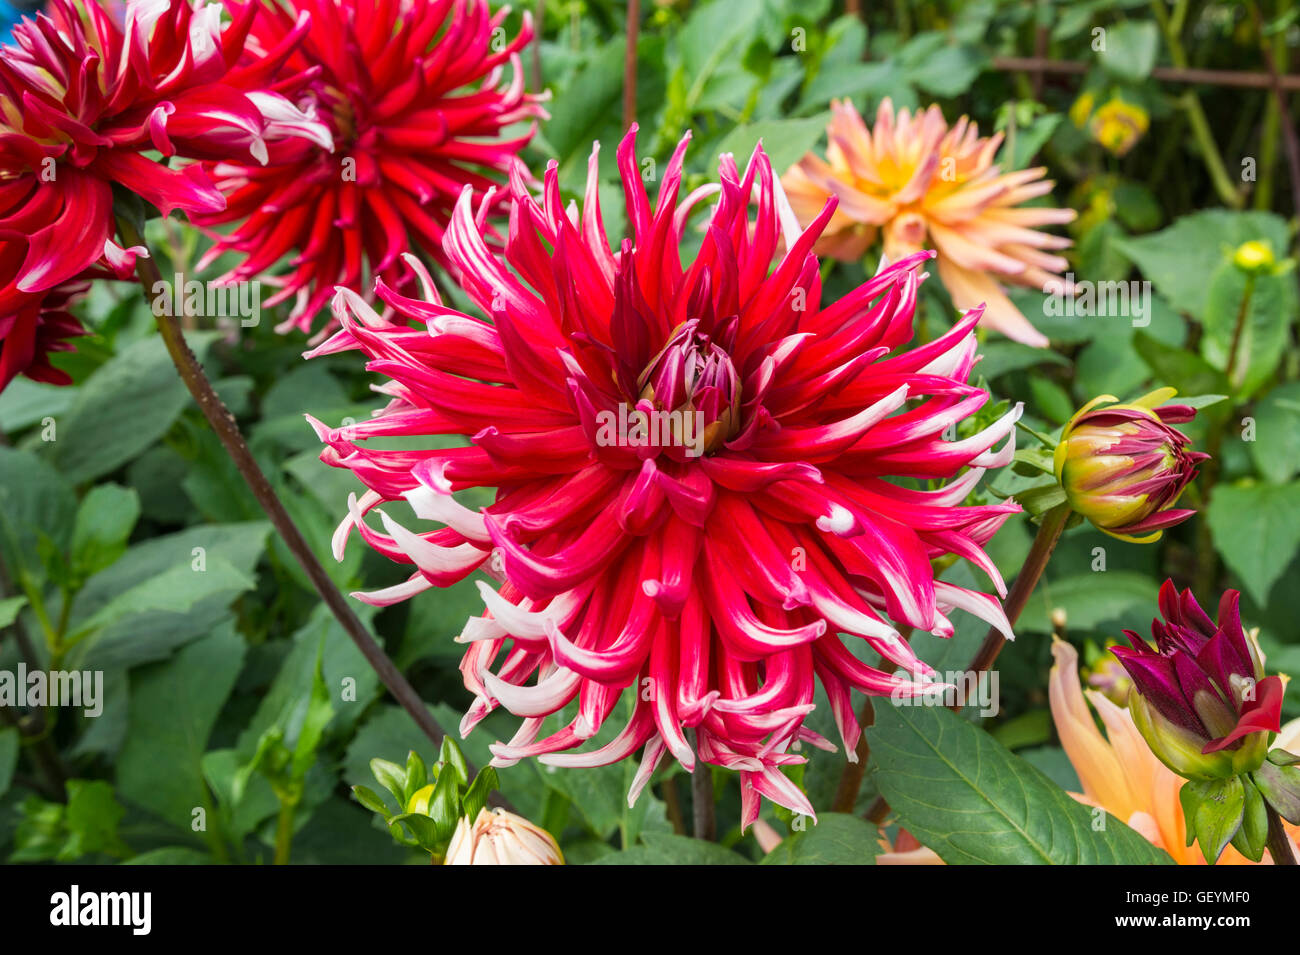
[498,837]
[1123,467]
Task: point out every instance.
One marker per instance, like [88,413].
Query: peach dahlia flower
[921,184]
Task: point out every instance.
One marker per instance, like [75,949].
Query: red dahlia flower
[84,94]
[1200,697]
[694,470]
[414,95]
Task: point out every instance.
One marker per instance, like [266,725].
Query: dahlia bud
[1202,703]
[1254,257]
[1123,467]
[498,837]
[1200,698]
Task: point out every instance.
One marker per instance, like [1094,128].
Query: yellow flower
[1118,125]
[1082,109]
[921,184]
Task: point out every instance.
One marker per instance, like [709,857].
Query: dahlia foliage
[416,98]
[920,183]
[694,467]
[85,92]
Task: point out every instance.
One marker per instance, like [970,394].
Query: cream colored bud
[498,837]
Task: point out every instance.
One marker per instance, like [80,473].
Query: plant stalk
[1049,532]
[1279,843]
[223,423]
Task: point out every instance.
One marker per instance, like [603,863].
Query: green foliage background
[131,546]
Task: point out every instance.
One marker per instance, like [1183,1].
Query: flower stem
[284,832]
[629,63]
[1049,532]
[1279,843]
[223,423]
[703,811]
[846,794]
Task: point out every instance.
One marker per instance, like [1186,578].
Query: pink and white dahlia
[416,97]
[85,93]
[696,469]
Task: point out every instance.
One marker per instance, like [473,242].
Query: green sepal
[1213,809]
[392,777]
[371,800]
[1252,838]
[1280,786]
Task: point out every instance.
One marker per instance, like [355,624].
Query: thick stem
[1243,313]
[846,794]
[629,63]
[223,423]
[1279,843]
[284,833]
[703,811]
[1049,532]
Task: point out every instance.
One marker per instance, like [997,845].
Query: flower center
[694,380]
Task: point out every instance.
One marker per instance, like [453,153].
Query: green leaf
[452,758]
[9,610]
[370,799]
[1265,326]
[836,839]
[105,519]
[964,796]
[476,796]
[9,743]
[444,807]
[25,402]
[1131,48]
[392,777]
[946,71]
[92,817]
[1256,528]
[246,800]
[785,141]
[174,706]
[352,683]
[170,855]
[36,504]
[1090,600]
[1213,810]
[174,591]
[417,775]
[123,408]
[667,849]
[1189,373]
[148,635]
[1276,445]
[316,715]
[1177,259]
